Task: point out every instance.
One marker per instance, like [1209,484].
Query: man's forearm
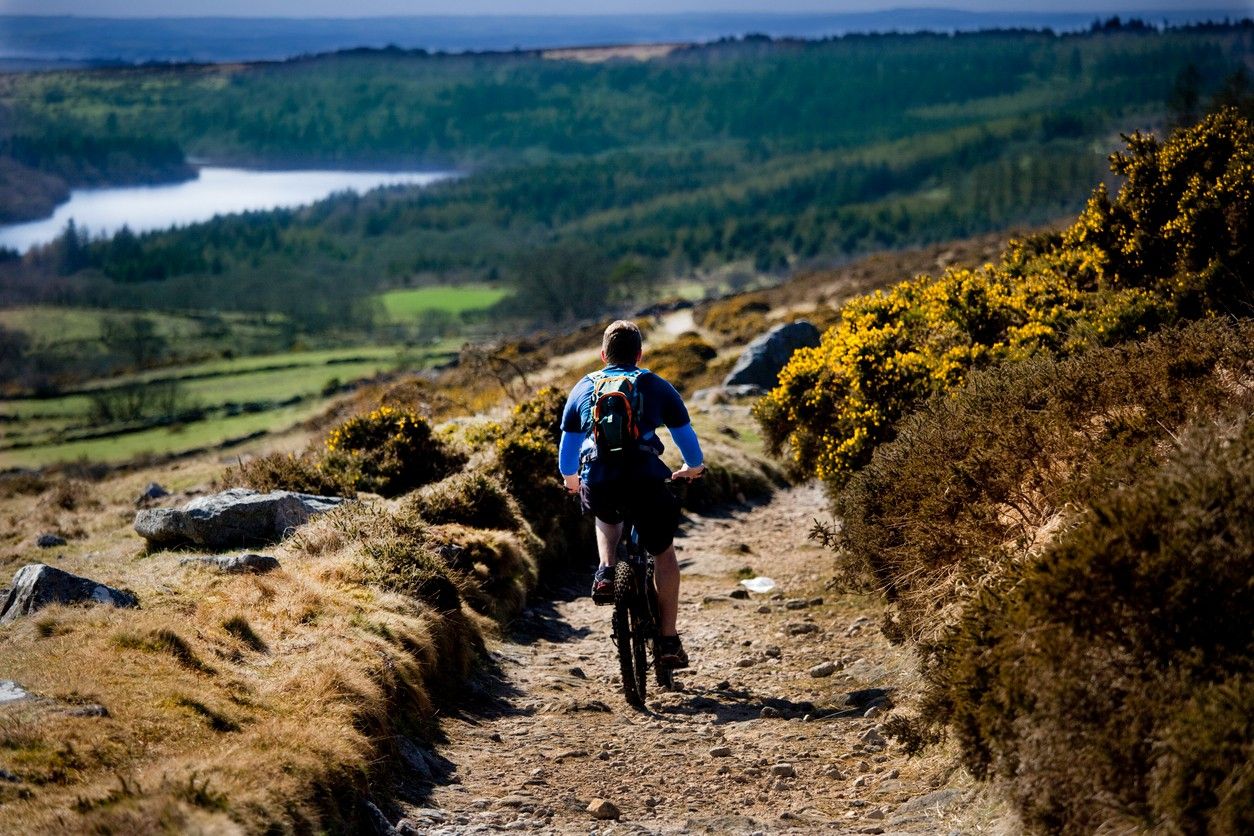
[689,447]
[568,453]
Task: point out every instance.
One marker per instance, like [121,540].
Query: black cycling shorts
[638,493]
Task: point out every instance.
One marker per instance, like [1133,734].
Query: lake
[216,191]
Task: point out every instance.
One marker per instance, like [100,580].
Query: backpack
[617,404]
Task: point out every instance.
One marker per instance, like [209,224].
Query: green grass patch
[161,440]
[404,305]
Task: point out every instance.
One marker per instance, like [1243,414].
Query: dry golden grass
[234,702]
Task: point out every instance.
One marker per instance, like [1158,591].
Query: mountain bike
[636,618]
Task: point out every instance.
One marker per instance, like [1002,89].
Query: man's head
[621,343]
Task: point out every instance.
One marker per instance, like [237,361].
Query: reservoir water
[216,191]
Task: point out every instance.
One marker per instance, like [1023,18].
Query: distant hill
[29,42]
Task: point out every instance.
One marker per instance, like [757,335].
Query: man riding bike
[610,455]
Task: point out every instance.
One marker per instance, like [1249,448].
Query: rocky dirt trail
[769,734]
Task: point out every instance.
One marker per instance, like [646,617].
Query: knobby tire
[626,626]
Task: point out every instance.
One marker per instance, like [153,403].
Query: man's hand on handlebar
[572,483]
[687,472]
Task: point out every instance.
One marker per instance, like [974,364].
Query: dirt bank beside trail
[755,742]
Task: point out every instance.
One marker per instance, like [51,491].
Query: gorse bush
[1136,708]
[1173,245]
[389,452]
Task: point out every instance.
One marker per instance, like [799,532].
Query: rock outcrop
[37,585]
[236,517]
[763,359]
[234,563]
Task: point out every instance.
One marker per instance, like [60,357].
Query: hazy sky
[364,8]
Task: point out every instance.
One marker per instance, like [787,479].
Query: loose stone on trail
[602,809]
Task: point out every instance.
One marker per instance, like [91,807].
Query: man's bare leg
[666,578]
[608,535]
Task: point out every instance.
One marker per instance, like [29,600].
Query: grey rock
[377,821]
[605,810]
[723,394]
[94,710]
[236,517]
[772,651]
[6,775]
[415,757]
[796,604]
[873,712]
[721,752]
[48,540]
[10,691]
[769,712]
[799,628]
[763,359]
[153,491]
[932,802]
[234,563]
[784,770]
[36,585]
[867,697]
[872,737]
[824,669]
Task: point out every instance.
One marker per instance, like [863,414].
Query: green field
[406,305]
[233,398]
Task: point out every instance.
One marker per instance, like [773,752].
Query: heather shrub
[526,451]
[684,361]
[389,452]
[497,568]
[1135,711]
[1172,245]
[977,479]
[287,471]
[468,498]
[740,318]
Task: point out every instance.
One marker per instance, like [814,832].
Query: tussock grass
[216,729]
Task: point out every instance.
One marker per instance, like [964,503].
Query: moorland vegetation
[1043,465]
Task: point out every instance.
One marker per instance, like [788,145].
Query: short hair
[621,343]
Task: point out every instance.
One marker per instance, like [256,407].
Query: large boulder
[236,517]
[37,585]
[763,359]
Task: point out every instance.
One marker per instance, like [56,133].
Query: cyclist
[632,484]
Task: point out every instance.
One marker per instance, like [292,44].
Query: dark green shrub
[388,452]
[1134,706]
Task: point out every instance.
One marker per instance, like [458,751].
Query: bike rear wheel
[627,634]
